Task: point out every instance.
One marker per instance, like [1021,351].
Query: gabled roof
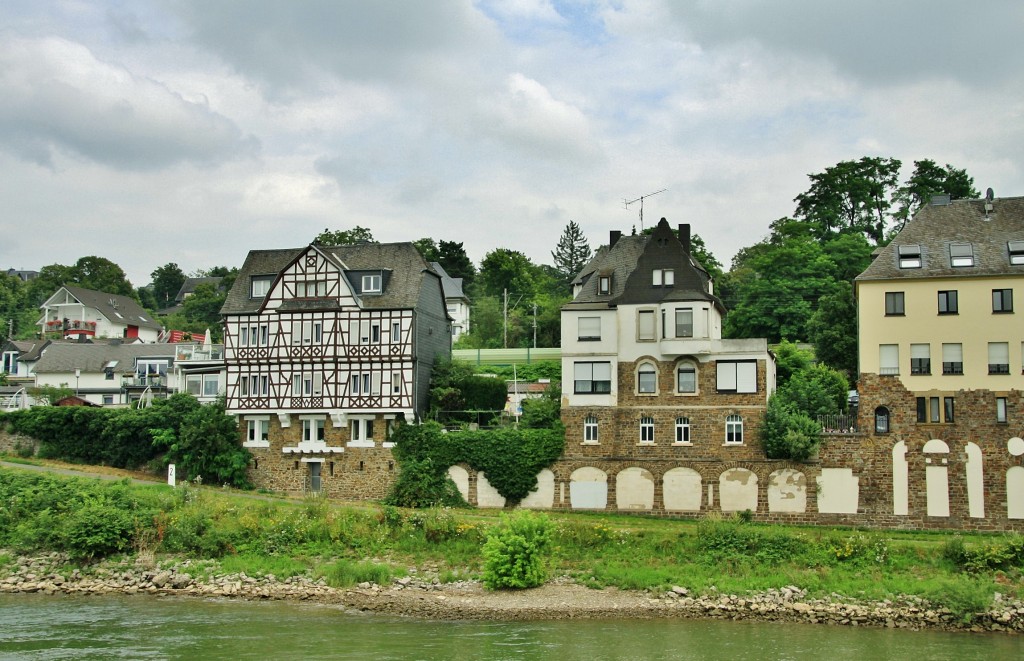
[117,309]
[190,284]
[407,271]
[631,260]
[452,286]
[64,357]
[935,226]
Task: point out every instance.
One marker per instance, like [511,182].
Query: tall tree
[101,274]
[851,196]
[452,256]
[203,307]
[503,269]
[344,237]
[167,280]
[571,254]
[833,330]
[427,248]
[929,179]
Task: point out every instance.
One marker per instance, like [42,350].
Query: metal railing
[838,423]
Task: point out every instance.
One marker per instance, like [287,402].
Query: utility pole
[534,325]
[504,318]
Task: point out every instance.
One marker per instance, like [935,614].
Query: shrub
[515,553]
[788,433]
[424,484]
[97,530]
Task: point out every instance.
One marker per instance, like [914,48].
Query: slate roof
[110,305]
[407,273]
[452,286]
[190,284]
[63,357]
[631,261]
[935,227]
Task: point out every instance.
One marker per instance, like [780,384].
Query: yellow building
[936,307]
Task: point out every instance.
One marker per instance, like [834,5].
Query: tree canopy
[344,237]
[167,280]
[571,254]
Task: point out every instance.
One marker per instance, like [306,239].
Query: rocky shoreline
[422,595]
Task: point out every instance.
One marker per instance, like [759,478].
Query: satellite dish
[989,195]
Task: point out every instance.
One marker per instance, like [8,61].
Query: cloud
[58,98]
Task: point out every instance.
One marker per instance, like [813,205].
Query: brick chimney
[614,238]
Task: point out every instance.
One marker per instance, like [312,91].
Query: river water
[141,627]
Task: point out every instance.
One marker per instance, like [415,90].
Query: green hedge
[511,458]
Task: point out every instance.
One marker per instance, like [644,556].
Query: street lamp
[78,373]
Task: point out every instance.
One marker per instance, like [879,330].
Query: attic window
[1016,251]
[604,284]
[666,277]
[260,286]
[910,256]
[371,284]
[961,254]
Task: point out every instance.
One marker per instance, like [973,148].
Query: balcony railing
[186,352]
[144,380]
[58,325]
[838,423]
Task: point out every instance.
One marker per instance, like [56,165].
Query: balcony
[690,346]
[71,327]
[198,352]
[144,381]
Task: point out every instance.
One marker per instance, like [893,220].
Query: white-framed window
[590,429]
[313,430]
[202,385]
[592,377]
[589,329]
[311,289]
[260,285]
[10,365]
[888,359]
[998,358]
[243,386]
[646,429]
[604,284]
[396,383]
[1000,409]
[151,372]
[646,379]
[364,383]
[307,332]
[686,378]
[396,332]
[307,384]
[371,284]
[734,430]
[684,322]
[682,431]
[663,277]
[645,328]
[258,431]
[361,431]
[1016,252]
[737,376]
[961,254]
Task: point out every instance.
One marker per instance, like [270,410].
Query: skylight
[1016,249]
[910,256]
[961,254]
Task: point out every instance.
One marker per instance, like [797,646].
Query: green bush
[788,433]
[516,551]
[424,484]
[97,530]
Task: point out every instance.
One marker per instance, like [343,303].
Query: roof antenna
[641,201]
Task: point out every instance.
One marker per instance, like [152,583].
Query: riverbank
[422,595]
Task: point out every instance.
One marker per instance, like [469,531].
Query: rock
[160,579]
[680,591]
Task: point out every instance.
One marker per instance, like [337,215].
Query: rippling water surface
[139,627]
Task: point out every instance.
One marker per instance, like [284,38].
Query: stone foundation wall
[14,443]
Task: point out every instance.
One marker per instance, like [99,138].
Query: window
[108,400]
[961,254]
[947,407]
[396,332]
[1002,300]
[364,384]
[663,277]
[151,372]
[371,284]
[647,379]
[307,332]
[589,329]
[1000,409]
[881,420]
[646,429]
[922,409]
[313,430]
[910,256]
[592,378]
[396,383]
[361,430]
[684,322]
[952,359]
[998,358]
[201,385]
[734,430]
[1016,250]
[307,384]
[682,431]
[264,386]
[920,359]
[735,376]
[645,325]
[947,302]
[590,429]
[311,289]
[260,285]
[933,408]
[894,304]
[243,386]
[10,365]
[686,378]
[604,284]
[258,430]
[888,359]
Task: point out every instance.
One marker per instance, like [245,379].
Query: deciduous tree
[344,237]
[167,280]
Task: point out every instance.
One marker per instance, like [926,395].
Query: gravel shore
[420,595]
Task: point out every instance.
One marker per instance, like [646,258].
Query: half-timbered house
[326,349]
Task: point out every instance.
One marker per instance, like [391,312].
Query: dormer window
[910,256]
[371,284]
[961,254]
[260,285]
[604,284]
[663,277]
[1016,249]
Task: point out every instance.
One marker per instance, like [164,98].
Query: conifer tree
[571,254]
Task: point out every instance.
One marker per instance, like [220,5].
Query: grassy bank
[89,519]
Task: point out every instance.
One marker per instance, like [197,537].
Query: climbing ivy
[511,458]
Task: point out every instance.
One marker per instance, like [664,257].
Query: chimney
[684,236]
[614,238]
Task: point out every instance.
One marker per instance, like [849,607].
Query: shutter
[726,376]
[746,377]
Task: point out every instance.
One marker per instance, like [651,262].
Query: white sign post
[170,474]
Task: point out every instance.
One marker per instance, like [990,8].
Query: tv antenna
[641,201]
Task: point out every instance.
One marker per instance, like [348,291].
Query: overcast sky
[152,131]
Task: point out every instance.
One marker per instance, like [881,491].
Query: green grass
[960,571]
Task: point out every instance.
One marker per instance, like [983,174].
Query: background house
[77,313]
[456,301]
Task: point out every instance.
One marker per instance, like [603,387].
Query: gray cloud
[59,98]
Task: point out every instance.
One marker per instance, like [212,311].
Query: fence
[838,423]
